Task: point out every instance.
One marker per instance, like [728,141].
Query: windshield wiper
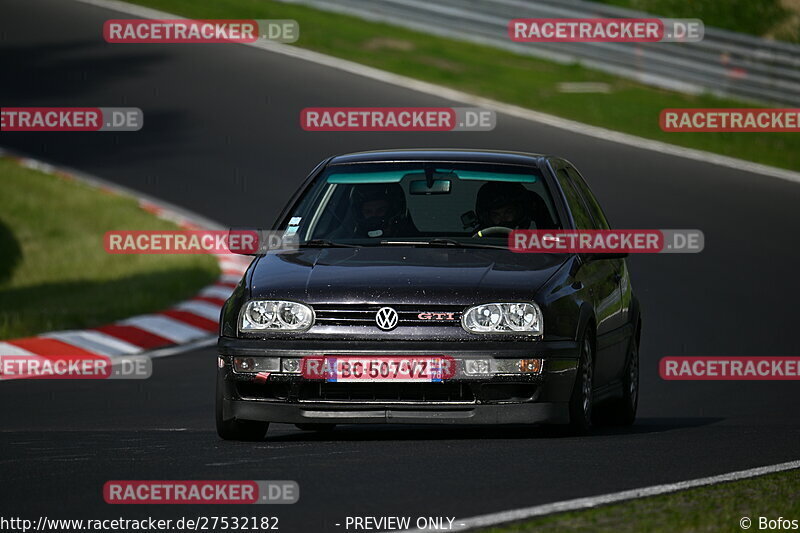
[445,242]
[325,243]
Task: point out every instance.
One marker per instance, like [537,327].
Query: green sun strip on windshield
[479,175]
[390,176]
[395,176]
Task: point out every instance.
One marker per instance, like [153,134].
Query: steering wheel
[494,230]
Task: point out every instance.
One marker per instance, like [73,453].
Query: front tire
[582,399]
[622,412]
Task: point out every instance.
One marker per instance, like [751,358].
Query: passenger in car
[511,205]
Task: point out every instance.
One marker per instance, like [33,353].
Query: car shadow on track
[410,432]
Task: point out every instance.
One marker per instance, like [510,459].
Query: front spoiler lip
[355,404]
[522,413]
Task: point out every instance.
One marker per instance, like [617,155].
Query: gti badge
[386,318]
[436,316]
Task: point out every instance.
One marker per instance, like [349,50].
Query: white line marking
[95,342]
[208,341]
[431,28]
[476,101]
[525,513]
[231,278]
[167,327]
[201,308]
[15,352]
[10,349]
[216,292]
[233,264]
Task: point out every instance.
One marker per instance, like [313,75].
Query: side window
[591,202]
[580,213]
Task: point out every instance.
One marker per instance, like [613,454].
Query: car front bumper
[499,399]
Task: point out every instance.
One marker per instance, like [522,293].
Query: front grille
[389,393]
[250,390]
[386,392]
[364,315]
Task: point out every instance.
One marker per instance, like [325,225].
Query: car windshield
[434,203]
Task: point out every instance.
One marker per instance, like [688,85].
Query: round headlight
[276,315]
[261,314]
[292,315]
[513,317]
[484,317]
[521,317]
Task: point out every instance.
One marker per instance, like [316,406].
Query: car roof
[450,155]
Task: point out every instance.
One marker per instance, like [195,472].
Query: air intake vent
[364,315]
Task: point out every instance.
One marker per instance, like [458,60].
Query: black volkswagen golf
[403,303]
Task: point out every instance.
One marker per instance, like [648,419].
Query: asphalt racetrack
[222,138]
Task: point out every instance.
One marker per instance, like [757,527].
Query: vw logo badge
[386,318]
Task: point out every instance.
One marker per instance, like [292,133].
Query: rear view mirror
[435,187]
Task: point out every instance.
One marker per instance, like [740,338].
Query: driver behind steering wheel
[380,211]
[502,205]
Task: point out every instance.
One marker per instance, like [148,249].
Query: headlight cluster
[276,315]
[524,318]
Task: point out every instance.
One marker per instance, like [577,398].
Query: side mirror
[243,241]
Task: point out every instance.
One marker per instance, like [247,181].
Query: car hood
[398,275]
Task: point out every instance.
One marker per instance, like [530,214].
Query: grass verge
[777,19]
[54,271]
[482,70]
[713,508]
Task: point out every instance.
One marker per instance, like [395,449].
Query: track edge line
[590,502]
[466,98]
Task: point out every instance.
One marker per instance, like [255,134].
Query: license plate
[419,369]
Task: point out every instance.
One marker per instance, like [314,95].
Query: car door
[601,277]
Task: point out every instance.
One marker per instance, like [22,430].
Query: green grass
[714,508]
[764,18]
[493,73]
[54,271]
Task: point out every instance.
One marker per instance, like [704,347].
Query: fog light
[256,364]
[476,366]
[519,366]
[530,366]
[290,366]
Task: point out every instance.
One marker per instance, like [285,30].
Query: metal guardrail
[725,63]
